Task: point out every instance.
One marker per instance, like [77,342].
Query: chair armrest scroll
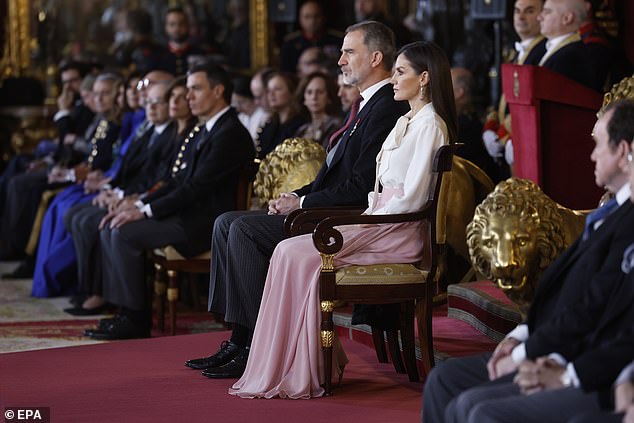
[329,240]
[303,221]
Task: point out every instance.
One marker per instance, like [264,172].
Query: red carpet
[145,380]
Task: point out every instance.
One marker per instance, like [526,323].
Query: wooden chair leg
[395,351]
[379,344]
[172,297]
[423,319]
[327,336]
[160,287]
[408,340]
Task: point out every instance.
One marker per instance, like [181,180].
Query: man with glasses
[148,152]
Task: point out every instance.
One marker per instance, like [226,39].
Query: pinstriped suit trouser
[241,247]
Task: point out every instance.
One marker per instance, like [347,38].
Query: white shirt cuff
[519,353]
[570,368]
[520,333]
[60,115]
[119,193]
[626,375]
[301,199]
[70,176]
[147,210]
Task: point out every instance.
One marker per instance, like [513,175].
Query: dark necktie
[153,139]
[598,215]
[202,137]
[354,110]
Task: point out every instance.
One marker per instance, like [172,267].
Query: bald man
[566,54]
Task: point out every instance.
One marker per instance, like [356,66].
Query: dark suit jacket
[350,175]
[207,186]
[143,170]
[103,147]
[133,159]
[536,53]
[574,62]
[568,312]
[76,122]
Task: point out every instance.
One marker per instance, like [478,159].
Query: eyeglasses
[143,83]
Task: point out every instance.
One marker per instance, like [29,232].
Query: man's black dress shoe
[232,370]
[101,325]
[227,352]
[121,328]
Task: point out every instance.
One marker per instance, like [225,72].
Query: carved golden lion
[516,232]
[293,164]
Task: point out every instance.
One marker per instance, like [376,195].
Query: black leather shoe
[121,328]
[232,370]
[227,352]
[102,325]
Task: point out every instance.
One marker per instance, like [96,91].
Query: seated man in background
[592,263]
[180,212]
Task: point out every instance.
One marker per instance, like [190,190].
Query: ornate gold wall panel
[259,33]
[16,58]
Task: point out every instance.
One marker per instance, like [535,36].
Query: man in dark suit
[528,51]
[566,54]
[150,150]
[73,116]
[242,244]
[181,212]
[592,264]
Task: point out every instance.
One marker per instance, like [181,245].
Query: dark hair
[215,75]
[427,56]
[291,83]
[80,67]
[181,81]
[139,21]
[241,87]
[621,124]
[176,9]
[377,37]
[333,108]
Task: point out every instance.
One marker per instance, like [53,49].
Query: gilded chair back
[293,164]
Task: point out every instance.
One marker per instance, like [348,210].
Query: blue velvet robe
[56,262]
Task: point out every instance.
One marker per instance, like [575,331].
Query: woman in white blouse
[285,357]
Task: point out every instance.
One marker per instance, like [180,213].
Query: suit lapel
[208,137]
[350,132]
[580,247]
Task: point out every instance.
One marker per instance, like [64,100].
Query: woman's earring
[422,92]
